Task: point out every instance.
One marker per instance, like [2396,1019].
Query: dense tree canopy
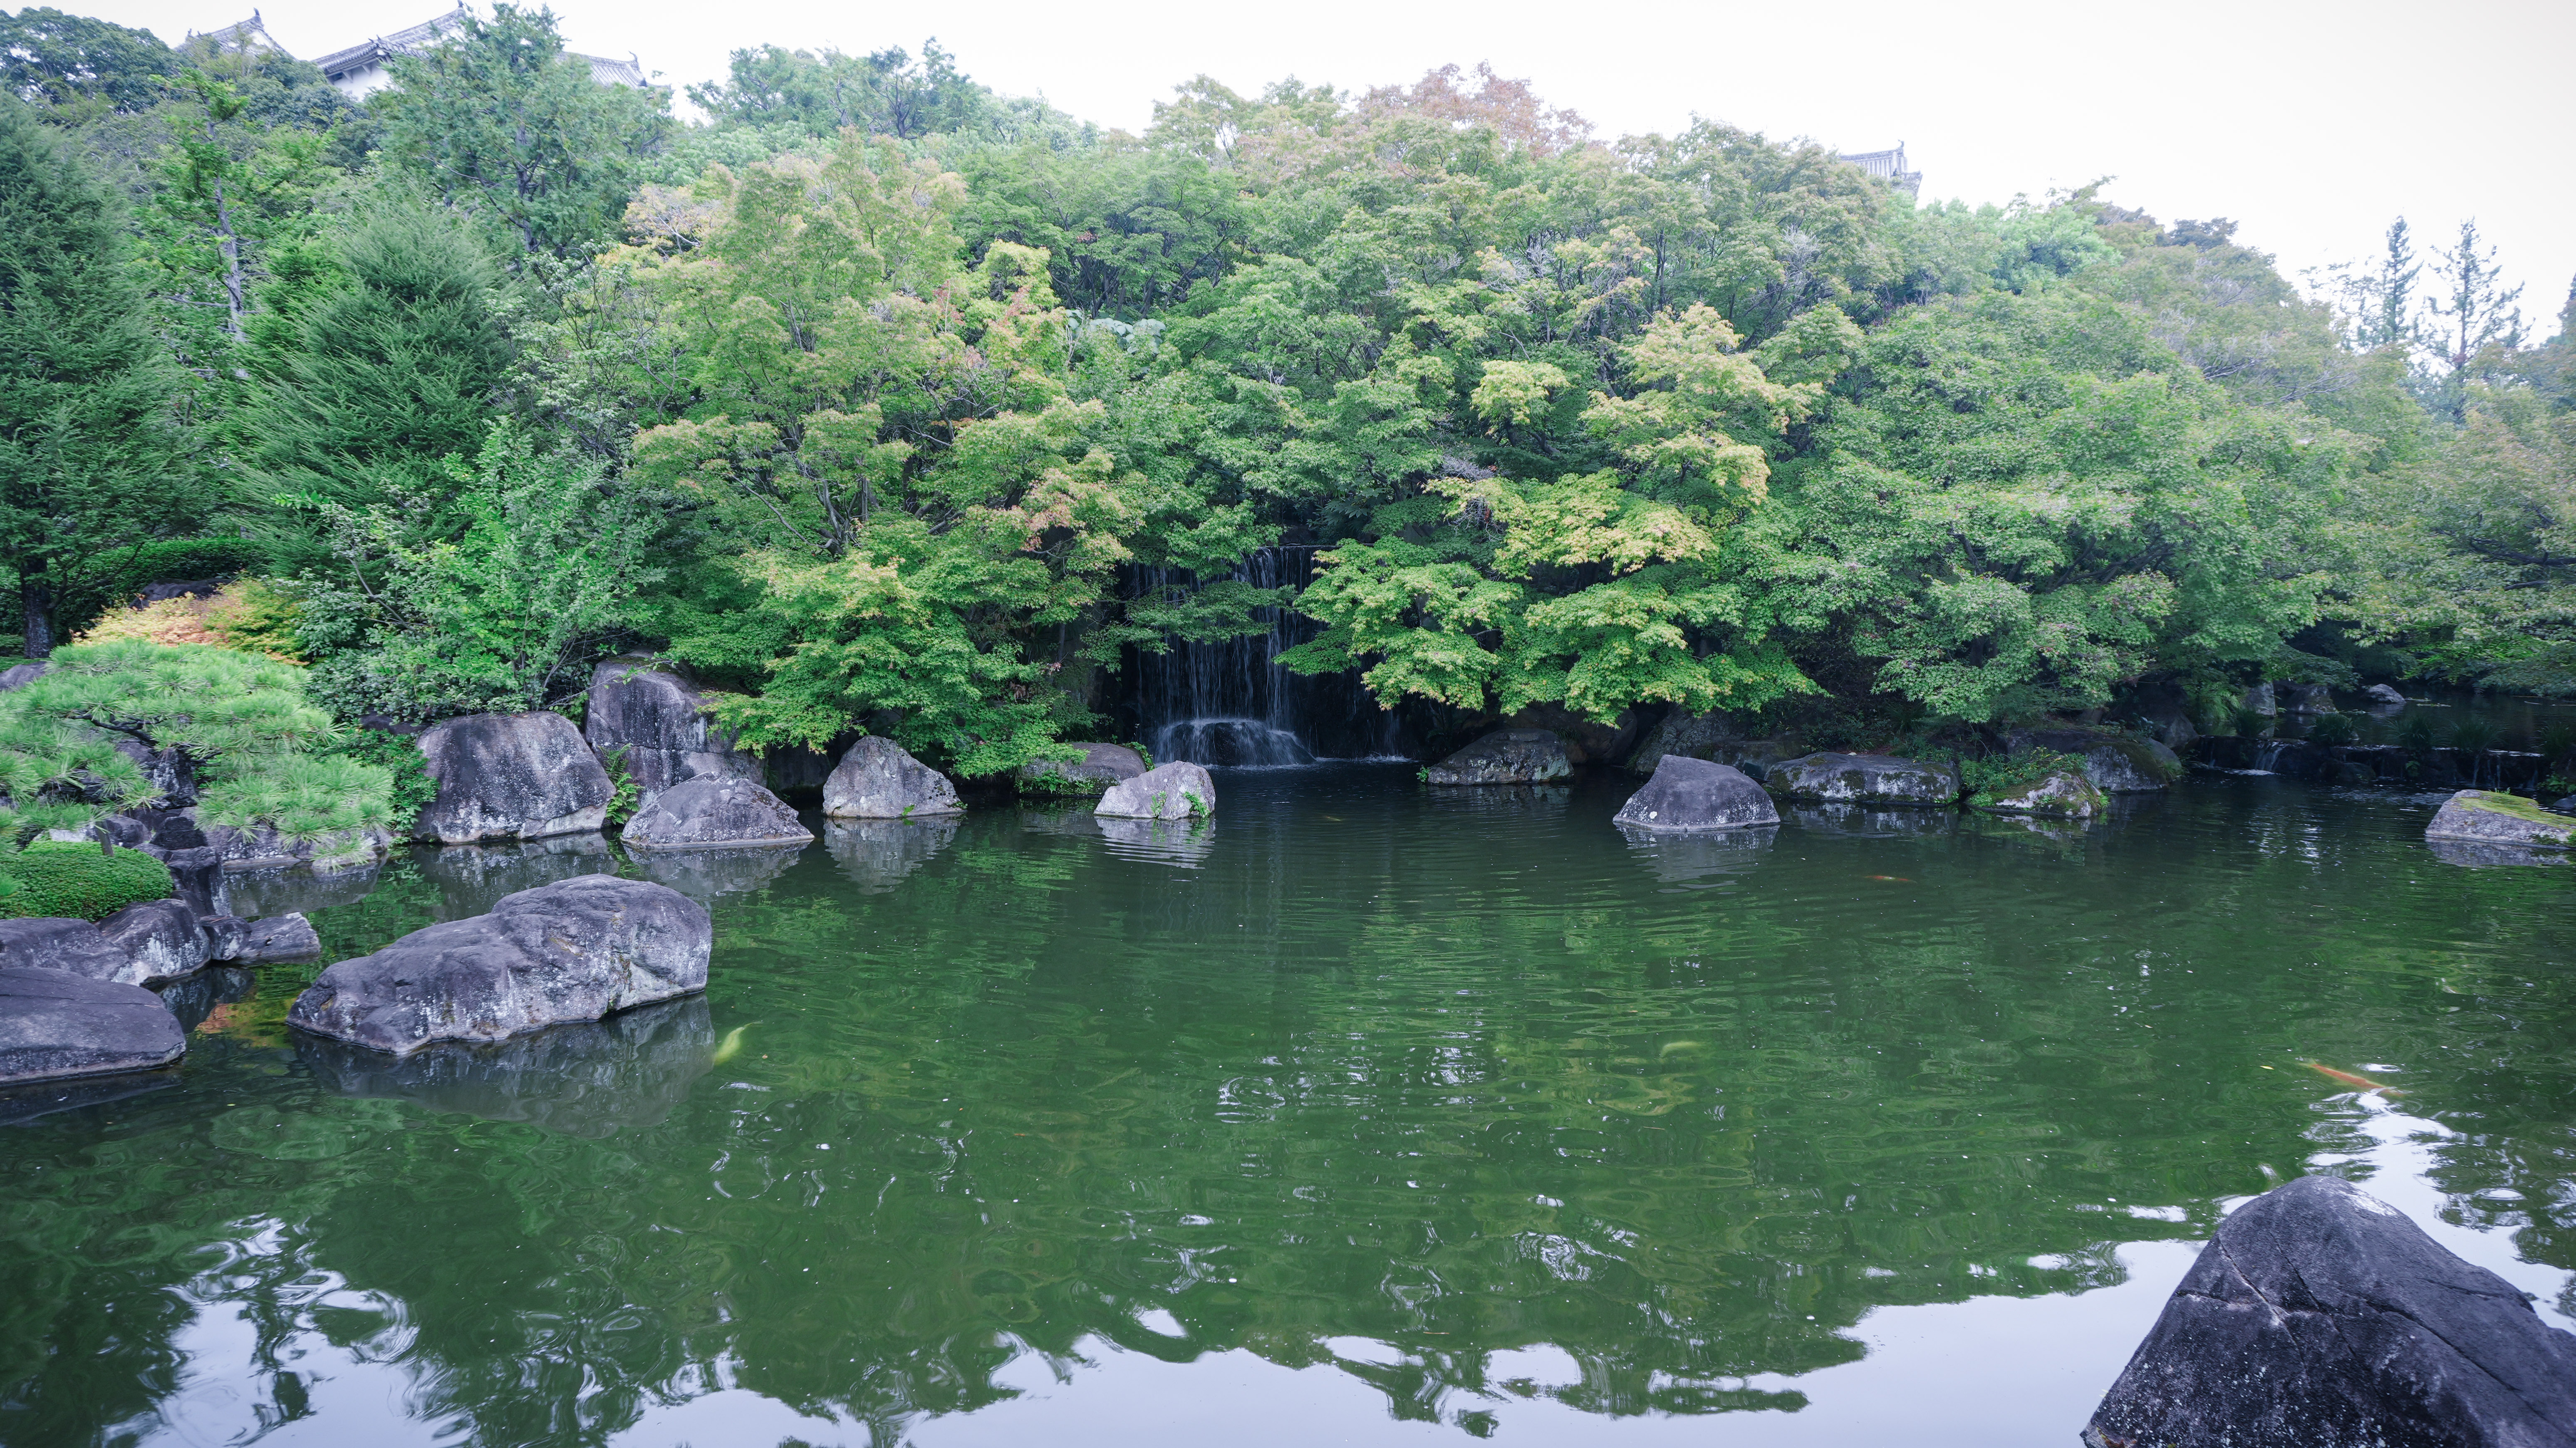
[911,407]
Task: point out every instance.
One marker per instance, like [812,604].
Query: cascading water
[1232,703]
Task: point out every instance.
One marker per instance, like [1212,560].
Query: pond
[1366,1114]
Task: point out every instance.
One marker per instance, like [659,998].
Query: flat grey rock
[710,812]
[74,947]
[2479,816]
[160,939]
[2320,1316]
[1696,794]
[511,776]
[1870,779]
[54,1024]
[279,938]
[877,780]
[1506,756]
[571,951]
[1175,791]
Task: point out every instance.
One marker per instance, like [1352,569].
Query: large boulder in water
[2382,699]
[658,717]
[1697,735]
[877,780]
[1506,756]
[711,812]
[1101,766]
[2064,793]
[572,951]
[511,776]
[161,939]
[1696,794]
[2116,763]
[2486,817]
[55,1024]
[1874,779]
[2320,1315]
[1174,791]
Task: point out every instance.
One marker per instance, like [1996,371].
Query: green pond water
[1367,1114]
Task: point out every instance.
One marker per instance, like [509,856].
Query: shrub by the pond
[74,881]
[2331,731]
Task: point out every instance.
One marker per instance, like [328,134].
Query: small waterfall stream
[1231,702]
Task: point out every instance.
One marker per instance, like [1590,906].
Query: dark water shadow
[1166,842]
[877,854]
[1072,821]
[1862,822]
[1486,801]
[590,1079]
[471,879]
[22,1104]
[262,894]
[195,997]
[1700,859]
[707,876]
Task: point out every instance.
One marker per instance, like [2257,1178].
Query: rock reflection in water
[1701,859]
[587,1080]
[265,894]
[471,879]
[45,1098]
[1170,842]
[194,998]
[1533,800]
[1861,822]
[2478,855]
[2045,829]
[877,854]
[707,876]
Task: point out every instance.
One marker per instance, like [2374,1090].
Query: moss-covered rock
[2116,763]
[1874,779]
[60,879]
[2501,819]
[2061,793]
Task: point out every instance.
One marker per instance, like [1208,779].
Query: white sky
[2311,124]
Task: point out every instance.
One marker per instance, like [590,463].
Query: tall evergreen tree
[392,374]
[92,462]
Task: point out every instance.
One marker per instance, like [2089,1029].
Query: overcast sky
[2311,124]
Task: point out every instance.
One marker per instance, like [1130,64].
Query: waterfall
[1232,703]
[2267,759]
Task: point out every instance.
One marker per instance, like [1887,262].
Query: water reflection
[1703,858]
[1474,800]
[1169,842]
[1862,822]
[710,875]
[471,879]
[26,1103]
[2477,855]
[264,894]
[195,997]
[590,1079]
[877,854]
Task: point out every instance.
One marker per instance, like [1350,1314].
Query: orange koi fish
[2349,1079]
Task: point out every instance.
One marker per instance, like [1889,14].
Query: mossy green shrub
[1986,780]
[2331,731]
[74,881]
[1040,779]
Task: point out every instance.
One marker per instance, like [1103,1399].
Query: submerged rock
[74,947]
[160,938]
[1874,779]
[591,1079]
[1506,756]
[1101,766]
[572,951]
[54,1024]
[877,780]
[657,715]
[2116,763]
[2483,817]
[711,812]
[2062,793]
[2320,1315]
[1695,794]
[1175,791]
[511,776]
